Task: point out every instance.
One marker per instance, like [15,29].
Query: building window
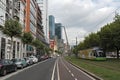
[3,44]
[18,46]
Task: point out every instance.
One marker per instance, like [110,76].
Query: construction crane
[67,43]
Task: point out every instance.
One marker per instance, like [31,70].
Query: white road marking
[75,78]
[58,74]
[67,68]
[82,71]
[72,74]
[69,71]
[14,73]
[52,78]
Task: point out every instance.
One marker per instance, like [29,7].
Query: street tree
[106,41]
[39,46]
[12,28]
[109,35]
[91,40]
[27,38]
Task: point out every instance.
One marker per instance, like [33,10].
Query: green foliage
[108,38]
[47,50]
[91,40]
[1,27]
[59,52]
[38,44]
[12,28]
[27,38]
[75,50]
[108,70]
[110,35]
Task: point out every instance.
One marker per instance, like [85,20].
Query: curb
[87,72]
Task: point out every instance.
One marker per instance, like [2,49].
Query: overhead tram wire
[107,17]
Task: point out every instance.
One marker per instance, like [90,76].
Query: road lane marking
[69,71]
[67,68]
[82,72]
[72,74]
[58,74]
[52,78]
[18,71]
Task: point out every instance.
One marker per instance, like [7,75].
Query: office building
[51,27]
[58,30]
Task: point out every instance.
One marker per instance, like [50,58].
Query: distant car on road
[7,66]
[44,57]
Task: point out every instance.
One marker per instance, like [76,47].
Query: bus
[94,53]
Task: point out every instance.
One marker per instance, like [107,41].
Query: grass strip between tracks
[108,70]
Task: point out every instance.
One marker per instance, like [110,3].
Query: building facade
[11,9]
[39,31]
[43,4]
[30,23]
[58,30]
[51,27]
[29,16]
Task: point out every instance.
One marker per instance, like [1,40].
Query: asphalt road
[51,69]
[39,71]
[69,72]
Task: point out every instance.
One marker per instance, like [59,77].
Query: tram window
[100,54]
[91,54]
[95,53]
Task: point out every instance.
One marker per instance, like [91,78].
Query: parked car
[21,63]
[38,57]
[34,59]
[28,61]
[7,66]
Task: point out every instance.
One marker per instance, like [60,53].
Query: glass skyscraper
[58,30]
[51,27]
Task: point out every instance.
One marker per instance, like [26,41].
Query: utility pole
[76,41]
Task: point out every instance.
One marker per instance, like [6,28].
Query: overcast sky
[81,17]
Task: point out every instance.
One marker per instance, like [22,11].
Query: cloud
[83,15]
[73,33]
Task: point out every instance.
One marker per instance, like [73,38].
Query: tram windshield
[98,53]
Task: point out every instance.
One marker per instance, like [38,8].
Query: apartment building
[11,9]
[30,23]
[43,4]
[39,31]
[29,16]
